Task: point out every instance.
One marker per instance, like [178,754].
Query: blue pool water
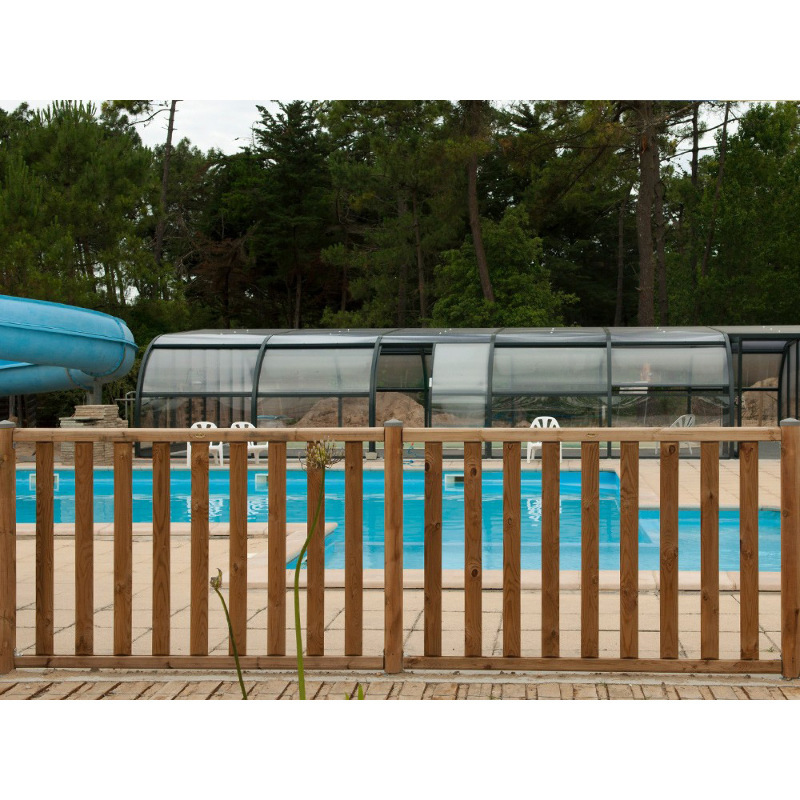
[413,525]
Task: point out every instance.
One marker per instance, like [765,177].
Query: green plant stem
[233,643]
[301,678]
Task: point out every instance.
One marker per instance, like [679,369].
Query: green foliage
[524,295]
[755,267]
[354,213]
[753,263]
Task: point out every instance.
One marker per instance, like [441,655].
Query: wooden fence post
[393,546]
[8,531]
[790,547]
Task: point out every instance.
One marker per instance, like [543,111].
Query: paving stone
[342,690]
[232,691]
[443,691]
[268,690]
[619,691]
[582,691]
[514,691]
[757,692]
[723,692]
[128,690]
[411,691]
[93,690]
[379,690]
[164,690]
[653,691]
[201,690]
[548,691]
[689,693]
[479,691]
[638,694]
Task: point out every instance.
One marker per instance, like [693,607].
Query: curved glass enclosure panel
[790,380]
[571,411]
[758,369]
[199,371]
[181,412]
[659,409]
[401,371]
[309,411]
[758,388]
[449,377]
[460,368]
[315,370]
[541,369]
[458,411]
[669,366]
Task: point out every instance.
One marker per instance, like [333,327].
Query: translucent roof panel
[669,367]
[550,369]
[551,337]
[433,335]
[664,336]
[246,338]
[323,371]
[460,368]
[761,331]
[303,338]
[200,370]
[758,345]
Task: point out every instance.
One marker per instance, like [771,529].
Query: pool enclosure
[505,377]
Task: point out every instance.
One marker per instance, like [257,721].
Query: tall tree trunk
[345,277]
[661,260]
[473,120]
[298,290]
[623,207]
[226,301]
[644,214]
[158,247]
[693,244]
[402,278]
[423,302]
[723,147]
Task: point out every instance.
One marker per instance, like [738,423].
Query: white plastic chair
[213,447]
[256,448]
[684,421]
[542,422]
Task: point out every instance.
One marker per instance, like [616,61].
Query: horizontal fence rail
[270,650]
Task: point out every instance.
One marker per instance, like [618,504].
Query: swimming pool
[413,516]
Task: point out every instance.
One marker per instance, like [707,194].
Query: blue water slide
[48,347]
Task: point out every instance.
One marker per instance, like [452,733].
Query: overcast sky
[224,124]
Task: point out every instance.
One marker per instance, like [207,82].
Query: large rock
[761,408]
[355,412]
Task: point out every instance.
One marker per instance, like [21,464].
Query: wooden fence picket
[512,586]
[433,550]
[44,548]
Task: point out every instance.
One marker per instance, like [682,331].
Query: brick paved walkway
[73,685]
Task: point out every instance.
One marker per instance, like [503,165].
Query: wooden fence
[394,660]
